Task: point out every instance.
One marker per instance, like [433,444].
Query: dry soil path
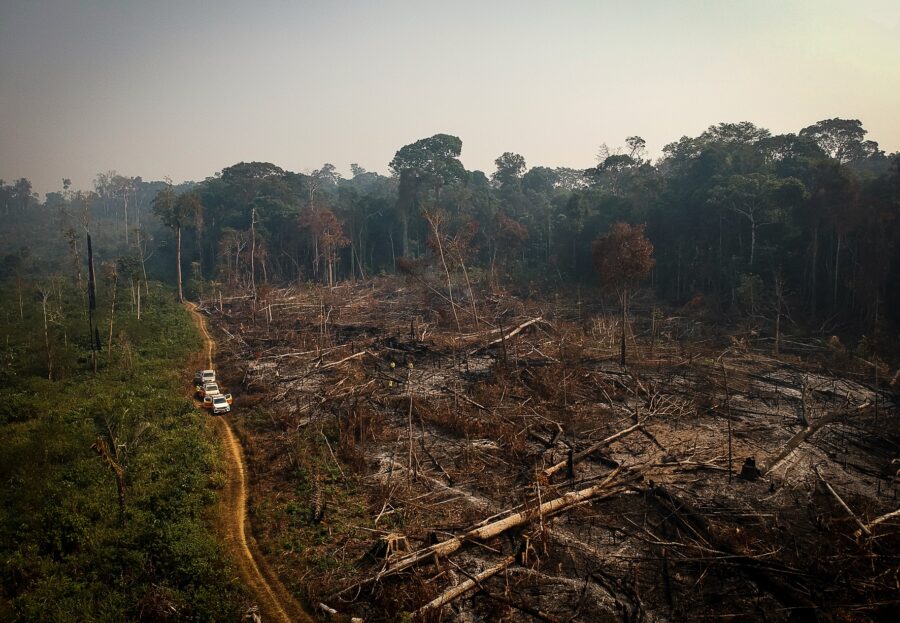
[274,601]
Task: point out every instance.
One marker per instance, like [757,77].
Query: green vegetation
[305,526]
[70,552]
[812,215]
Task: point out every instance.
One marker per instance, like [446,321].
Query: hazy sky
[183,89]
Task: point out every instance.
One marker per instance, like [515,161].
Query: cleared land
[512,469]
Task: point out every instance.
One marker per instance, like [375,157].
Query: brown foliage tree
[327,232]
[622,258]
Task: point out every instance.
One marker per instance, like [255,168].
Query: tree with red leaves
[623,258]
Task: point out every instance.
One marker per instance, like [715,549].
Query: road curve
[275,603]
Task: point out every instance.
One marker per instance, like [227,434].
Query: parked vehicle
[220,404]
[208,389]
[201,377]
[208,400]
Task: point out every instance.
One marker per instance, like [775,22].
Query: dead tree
[116,452]
[464,587]
[435,220]
[45,299]
[111,273]
[622,258]
[609,486]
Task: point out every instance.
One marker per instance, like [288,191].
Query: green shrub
[66,556]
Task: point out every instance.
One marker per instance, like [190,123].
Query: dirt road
[274,601]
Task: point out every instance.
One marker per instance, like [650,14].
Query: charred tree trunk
[178,262]
[624,305]
[112,314]
[92,304]
[814,266]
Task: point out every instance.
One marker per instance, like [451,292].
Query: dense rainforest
[733,215]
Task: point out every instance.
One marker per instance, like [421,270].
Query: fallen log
[843,504]
[868,527]
[808,432]
[340,361]
[512,333]
[579,456]
[496,528]
[464,587]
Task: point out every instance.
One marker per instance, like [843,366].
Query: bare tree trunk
[437,235]
[837,266]
[178,265]
[624,323]
[404,220]
[21,301]
[144,272]
[752,239]
[253,251]
[112,315]
[469,287]
[576,457]
[464,587]
[779,301]
[393,253]
[814,270]
[549,235]
[728,413]
[93,333]
[45,297]
[125,210]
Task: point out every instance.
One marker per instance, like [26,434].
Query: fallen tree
[579,456]
[446,548]
[509,335]
[464,587]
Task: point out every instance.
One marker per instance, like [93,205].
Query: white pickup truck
[220,404]
[207,389]
[202,377]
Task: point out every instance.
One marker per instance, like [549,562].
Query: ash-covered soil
[514,469]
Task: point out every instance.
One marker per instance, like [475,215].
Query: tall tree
[429,164]
[510,168]
[175,212]
[623,257]
[21,191]
[841,139]
[760,198]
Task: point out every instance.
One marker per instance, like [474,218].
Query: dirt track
[273,600]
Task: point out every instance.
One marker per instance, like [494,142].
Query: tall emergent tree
[428,164]
[622,258]
[761,198]
[175,212]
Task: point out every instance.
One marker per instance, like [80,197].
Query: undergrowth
[69,551]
